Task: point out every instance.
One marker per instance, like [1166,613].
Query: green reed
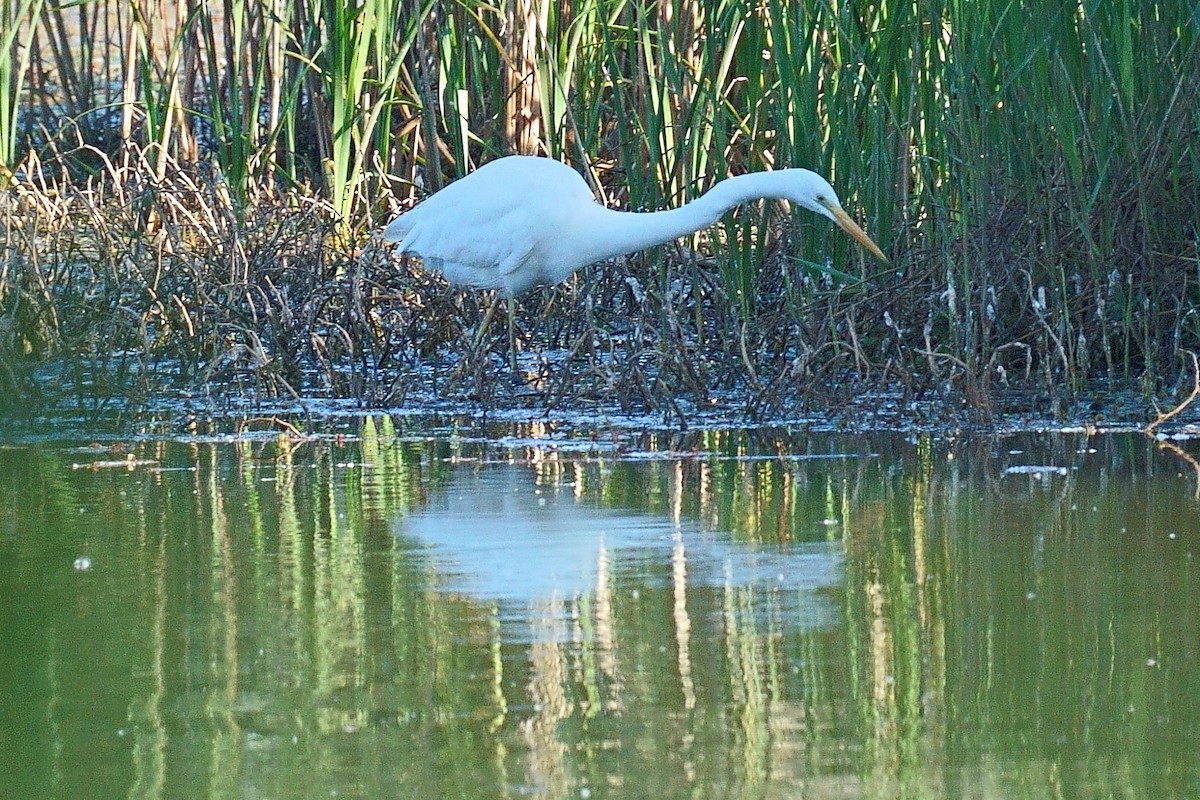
[18,27]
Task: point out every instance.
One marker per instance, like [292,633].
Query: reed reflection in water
[401,616]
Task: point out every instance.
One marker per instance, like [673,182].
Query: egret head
[814,193]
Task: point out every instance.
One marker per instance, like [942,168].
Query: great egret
[521,221]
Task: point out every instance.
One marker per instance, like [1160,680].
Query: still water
[523,614]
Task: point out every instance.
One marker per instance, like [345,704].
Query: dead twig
[1191,398]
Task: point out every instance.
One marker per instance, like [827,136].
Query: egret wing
[488,229]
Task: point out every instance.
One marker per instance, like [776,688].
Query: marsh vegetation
[188,193]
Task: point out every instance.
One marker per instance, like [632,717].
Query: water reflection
[403,616]
[494,533]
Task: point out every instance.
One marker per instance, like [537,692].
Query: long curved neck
[614,233]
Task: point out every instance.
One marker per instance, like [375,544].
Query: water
[518,614]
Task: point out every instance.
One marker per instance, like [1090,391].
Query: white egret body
[522,221]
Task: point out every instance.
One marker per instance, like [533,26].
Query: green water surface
[735,614]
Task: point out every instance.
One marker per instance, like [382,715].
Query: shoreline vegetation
[188,193]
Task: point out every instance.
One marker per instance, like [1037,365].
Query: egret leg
[512,339]
[476,341]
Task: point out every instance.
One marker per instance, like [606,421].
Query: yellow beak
[851,227]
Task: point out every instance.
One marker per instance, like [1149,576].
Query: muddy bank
[516,411]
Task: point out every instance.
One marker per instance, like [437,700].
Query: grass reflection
[277,619]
